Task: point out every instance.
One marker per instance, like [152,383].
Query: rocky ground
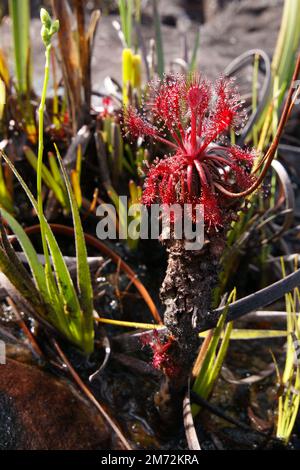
[240,26]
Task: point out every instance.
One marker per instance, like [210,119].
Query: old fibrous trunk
[187,293]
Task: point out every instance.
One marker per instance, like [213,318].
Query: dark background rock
[198,10]
[38,411]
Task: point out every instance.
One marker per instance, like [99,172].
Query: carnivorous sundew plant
[191,117]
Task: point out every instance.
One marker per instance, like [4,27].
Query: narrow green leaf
[83,271]
[122,12]
[5,197]
[129,22]
[35,266]
[214,373]
[70,304]
[46,175]
[2,97]
[29,292]
[213,360]
[158,41]
[120,208]
[249,334]
[20,14]
[125,10]
[193,63]
[55,169]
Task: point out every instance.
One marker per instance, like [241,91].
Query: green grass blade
[158,41]
[36,267]
[29,292]
[213,360]
[46,176]
[201,382]
[249,334]
[5,198]
[67,293]
[289,399]
[125,11]
[55,169]
[84,282]
[193,63]
[120,208]
[20,14]
[129,22]
[2,97]
[122,12]
[220,356]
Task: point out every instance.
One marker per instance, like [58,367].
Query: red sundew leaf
[150,192]
[136,125]
[162,359]
[225,113]
[199,93]
[146,339]
[167,190]
[212,212]
[244,180]
[190,176]
[166,103]
[242,155]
